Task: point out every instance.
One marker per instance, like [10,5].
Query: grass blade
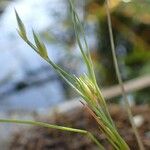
[62,128]
[79,29]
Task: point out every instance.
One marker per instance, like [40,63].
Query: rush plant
[85,85]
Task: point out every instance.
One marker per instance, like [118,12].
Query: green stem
[95,140]
[78,27]
[42,124]
[120,79]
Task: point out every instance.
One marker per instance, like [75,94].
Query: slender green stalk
[95,140]
[120,79]
[78,27]
[46,125]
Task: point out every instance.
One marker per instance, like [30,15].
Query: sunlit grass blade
[47,125]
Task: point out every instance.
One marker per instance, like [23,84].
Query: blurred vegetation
[3,4]
[131,28]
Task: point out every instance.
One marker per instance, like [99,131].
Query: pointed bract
[40,46]
[21,31]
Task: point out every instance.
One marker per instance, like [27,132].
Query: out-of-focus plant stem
[127,105]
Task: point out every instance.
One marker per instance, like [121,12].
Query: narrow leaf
[42,124]
[78,27]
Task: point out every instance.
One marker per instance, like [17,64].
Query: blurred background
[27,83]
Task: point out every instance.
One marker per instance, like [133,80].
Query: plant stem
[42,124]
[95,140]
[127,105]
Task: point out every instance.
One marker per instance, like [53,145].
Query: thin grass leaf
[79,29]
[42,124]
[111,127]
[109,133]
[70,79]
[32,46]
